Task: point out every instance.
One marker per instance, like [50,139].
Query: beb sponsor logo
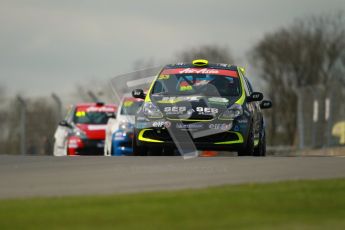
[206,110]
[175,110]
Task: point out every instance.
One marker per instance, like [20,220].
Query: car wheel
[260,150]
[248,149]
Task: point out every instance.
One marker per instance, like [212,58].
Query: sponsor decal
[206,111]
[200,71]
[119,136]
[218,100]
[175,110]
[221,126]
[224,72]
[178,99]
[100,109]
[160,124]
[243,121]
[186,88]
[190,126]
[164,77]
[167,124]
[142,125]
[96,127]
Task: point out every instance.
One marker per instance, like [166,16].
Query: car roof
[210,66]
[94,104]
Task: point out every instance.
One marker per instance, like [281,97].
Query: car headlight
[231,113]
[79,133]
[151,111]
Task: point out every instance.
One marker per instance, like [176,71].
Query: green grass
[285,205]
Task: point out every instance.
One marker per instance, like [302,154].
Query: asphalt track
[37,176]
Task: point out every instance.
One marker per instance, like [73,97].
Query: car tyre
[260,150]
[248,149]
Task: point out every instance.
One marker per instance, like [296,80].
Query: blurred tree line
[41,117]
[309,52]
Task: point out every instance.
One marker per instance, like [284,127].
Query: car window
[203,84]
[130,107]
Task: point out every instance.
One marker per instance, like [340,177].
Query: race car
[200,106]
[119,131]
[83,130]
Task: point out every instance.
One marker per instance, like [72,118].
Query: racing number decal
[164,77]
[128,103]
[81,114]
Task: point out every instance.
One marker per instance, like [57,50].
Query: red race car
[83,130]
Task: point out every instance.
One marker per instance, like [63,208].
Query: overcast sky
[50,45]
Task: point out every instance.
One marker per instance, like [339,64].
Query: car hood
[93,131]
[192,107]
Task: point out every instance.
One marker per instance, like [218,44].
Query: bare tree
[213,53]
[40,127]
[310,52]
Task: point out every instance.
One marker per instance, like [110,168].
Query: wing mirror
[266,104]
[138,93]
[255,96]
[65,123]
[111,115]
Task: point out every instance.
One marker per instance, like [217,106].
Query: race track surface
[35,176]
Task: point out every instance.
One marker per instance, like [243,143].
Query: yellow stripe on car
[241,100]
[239,141]
[142,138]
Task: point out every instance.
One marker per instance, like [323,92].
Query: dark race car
[200,106]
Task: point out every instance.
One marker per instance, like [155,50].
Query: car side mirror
[138,93]
[255,96]
[65,123]
[111,115]
[266,104]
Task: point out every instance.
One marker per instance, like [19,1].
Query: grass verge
[285,205]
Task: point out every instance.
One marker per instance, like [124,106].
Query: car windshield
[92,118]
[130,107]
[201,84]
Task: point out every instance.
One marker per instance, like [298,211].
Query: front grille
[90,151]
[219,137]
[163,135]
[192,117]
[92,148]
